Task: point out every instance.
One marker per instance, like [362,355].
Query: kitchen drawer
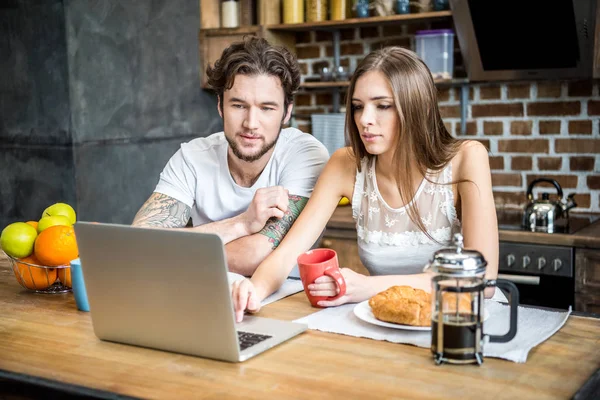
[588,303]
[587,272]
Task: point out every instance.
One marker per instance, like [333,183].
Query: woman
[410,182]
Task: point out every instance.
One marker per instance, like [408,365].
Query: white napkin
[533,327]
[289,287]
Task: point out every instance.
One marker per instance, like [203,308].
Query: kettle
[546,215]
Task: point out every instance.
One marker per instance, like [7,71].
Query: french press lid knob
[458,261]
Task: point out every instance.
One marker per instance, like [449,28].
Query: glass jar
[402,7]
[316,10]
[441,5]
[293,11]
[230,14]
[362,8]
[338,9]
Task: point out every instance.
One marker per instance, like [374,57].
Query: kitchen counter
[587,237]
[48,348]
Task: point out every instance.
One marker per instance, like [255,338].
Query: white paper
[290,286]
[534,326]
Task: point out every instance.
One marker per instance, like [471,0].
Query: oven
[544,274]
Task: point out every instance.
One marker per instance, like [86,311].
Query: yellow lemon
[344,201]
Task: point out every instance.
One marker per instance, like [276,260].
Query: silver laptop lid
[164,289]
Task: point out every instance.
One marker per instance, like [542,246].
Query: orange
[36,278]
[32,223]
[56,245]
[64,274]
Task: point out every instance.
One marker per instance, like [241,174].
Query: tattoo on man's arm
[277,228]
[163,211]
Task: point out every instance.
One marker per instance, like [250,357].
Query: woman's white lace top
[389,243]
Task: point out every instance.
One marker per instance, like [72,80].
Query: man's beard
[253,157]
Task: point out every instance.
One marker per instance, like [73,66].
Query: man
[249,183]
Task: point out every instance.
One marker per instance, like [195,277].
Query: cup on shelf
[441,5]
[340,73]
[326,74]
[402,7]
[362,9]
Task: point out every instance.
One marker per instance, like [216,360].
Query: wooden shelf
[343,84]
[324,85]
[231,31]
[357,22]
[329,25]
[451,82]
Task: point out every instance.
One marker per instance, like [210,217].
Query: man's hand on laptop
[267,203]
[245,298]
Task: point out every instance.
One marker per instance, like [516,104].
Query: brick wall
[532,129]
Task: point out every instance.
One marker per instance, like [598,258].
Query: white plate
[363,311]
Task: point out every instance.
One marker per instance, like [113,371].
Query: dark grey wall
[135,96]
[109,89]
[36,158]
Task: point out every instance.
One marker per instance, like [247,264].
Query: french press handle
[514,304]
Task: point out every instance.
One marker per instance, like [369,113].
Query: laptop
[168,289]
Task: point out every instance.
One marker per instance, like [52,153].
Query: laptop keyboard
[247,339]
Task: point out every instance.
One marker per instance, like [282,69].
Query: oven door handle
[521,279]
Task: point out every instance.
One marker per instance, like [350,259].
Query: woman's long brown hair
[422,134]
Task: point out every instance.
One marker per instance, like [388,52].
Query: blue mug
[402,7]
[362,9]
[79,286]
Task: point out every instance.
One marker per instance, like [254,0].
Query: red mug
[316,263]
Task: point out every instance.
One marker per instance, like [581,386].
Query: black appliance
[543,273]
[531,39]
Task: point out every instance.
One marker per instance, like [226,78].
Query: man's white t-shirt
[198,174]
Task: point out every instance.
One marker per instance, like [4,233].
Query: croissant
[402,305]
[410,306]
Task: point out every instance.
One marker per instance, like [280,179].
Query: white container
[436,48]
[329,130]
[230,14]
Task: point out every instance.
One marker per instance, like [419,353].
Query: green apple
[60,209]
[17,239]
[47,222]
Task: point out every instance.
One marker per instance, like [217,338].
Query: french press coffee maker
[457,305]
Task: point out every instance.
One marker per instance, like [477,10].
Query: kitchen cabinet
[587,280]
[347,251]
[212,40]
[340,235]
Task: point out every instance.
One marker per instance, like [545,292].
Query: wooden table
[45,341]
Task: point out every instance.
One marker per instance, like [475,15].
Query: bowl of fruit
[40,252]
[41,278]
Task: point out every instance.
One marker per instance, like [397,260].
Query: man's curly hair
[255,56]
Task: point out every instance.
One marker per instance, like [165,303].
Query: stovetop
[511,219]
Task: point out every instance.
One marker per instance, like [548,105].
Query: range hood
[526,39]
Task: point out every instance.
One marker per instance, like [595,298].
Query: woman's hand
[244,297]
[357,288]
